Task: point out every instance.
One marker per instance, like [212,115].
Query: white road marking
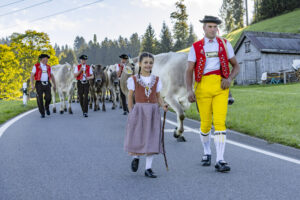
[258,150]
[7,124]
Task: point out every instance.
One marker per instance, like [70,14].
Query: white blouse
[145,79]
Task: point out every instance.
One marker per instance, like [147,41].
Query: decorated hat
[83,57]
[43,55]
[211,19]
[124,56]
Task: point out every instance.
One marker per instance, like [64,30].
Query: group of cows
[169,67]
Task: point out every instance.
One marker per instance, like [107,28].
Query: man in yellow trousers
[209,60]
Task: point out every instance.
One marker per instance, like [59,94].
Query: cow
[65,83]
[98,86]
[113,82]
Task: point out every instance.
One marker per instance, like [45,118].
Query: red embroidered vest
[201,59]
[87,72]
[139,93]
[39,71]
[121,68]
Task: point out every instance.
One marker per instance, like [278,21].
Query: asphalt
[67,156]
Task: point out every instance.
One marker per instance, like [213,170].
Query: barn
[259,52]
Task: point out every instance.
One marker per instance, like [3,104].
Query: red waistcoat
[87,72]
[121,68]
[39,71]
[201,59]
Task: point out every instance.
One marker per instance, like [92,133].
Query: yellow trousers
[212,103]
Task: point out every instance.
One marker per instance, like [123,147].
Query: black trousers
[83,94]
[41,90]
[123,99]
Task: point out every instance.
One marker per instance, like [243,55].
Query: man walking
[209,59]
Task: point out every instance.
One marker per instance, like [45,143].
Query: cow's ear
[93,66]
[104,68]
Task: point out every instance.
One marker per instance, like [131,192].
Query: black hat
[211,19]
[124,56]
[43,55]
[83,57]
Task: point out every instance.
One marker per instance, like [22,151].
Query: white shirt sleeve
[159,86]
[117,68]
[230,50]
[91,70]
[130,84]
[192,55]
[75,70]
[33,69]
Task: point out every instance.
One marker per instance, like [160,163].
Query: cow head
[99,74]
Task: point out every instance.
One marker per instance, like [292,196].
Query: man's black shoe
[149,173]
[206,160]
[43,116]
[135,164]
[222,166]
[48,112]
[85,114]
[124,113]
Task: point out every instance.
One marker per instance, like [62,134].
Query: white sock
[149,160]
[220,141]
[138,157]
[205,139]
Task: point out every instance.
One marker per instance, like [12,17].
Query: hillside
[286,23]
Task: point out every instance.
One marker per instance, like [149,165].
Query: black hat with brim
[211,19]
[43,55]
[124,56]
[83,57]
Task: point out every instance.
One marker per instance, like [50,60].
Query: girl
[143,136]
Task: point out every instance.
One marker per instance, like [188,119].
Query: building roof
[269,42]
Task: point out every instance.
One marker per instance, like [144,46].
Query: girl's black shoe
[135,164]
[149,173]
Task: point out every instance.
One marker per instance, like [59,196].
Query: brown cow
[98,87]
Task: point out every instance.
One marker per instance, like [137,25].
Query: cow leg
[180,117]
[113,96]
[54,101]
[70,100]
[61,97]
[65,104]
[103,100]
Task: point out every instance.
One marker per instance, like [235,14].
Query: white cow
[170,67]
[65,82]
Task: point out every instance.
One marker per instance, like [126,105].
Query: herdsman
[83,73]
[209,59]
[120,68]
[42,74]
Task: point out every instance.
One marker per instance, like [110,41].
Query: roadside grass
[265,111]
[12,108]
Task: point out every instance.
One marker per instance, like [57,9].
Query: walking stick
[163,140]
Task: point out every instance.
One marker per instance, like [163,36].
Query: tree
[232,12]
[28,46]
[192,36]
[180,29]
[149,42]
[10,74]
[79,45]
[166,41]
[68,56]
[134,45]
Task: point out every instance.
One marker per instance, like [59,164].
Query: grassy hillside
[286,23]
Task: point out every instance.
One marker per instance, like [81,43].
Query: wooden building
[259,52]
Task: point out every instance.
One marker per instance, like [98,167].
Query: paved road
[66,157]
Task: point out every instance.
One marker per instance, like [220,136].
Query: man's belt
[44,82]
[84,82]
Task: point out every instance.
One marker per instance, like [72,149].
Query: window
[247,47]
